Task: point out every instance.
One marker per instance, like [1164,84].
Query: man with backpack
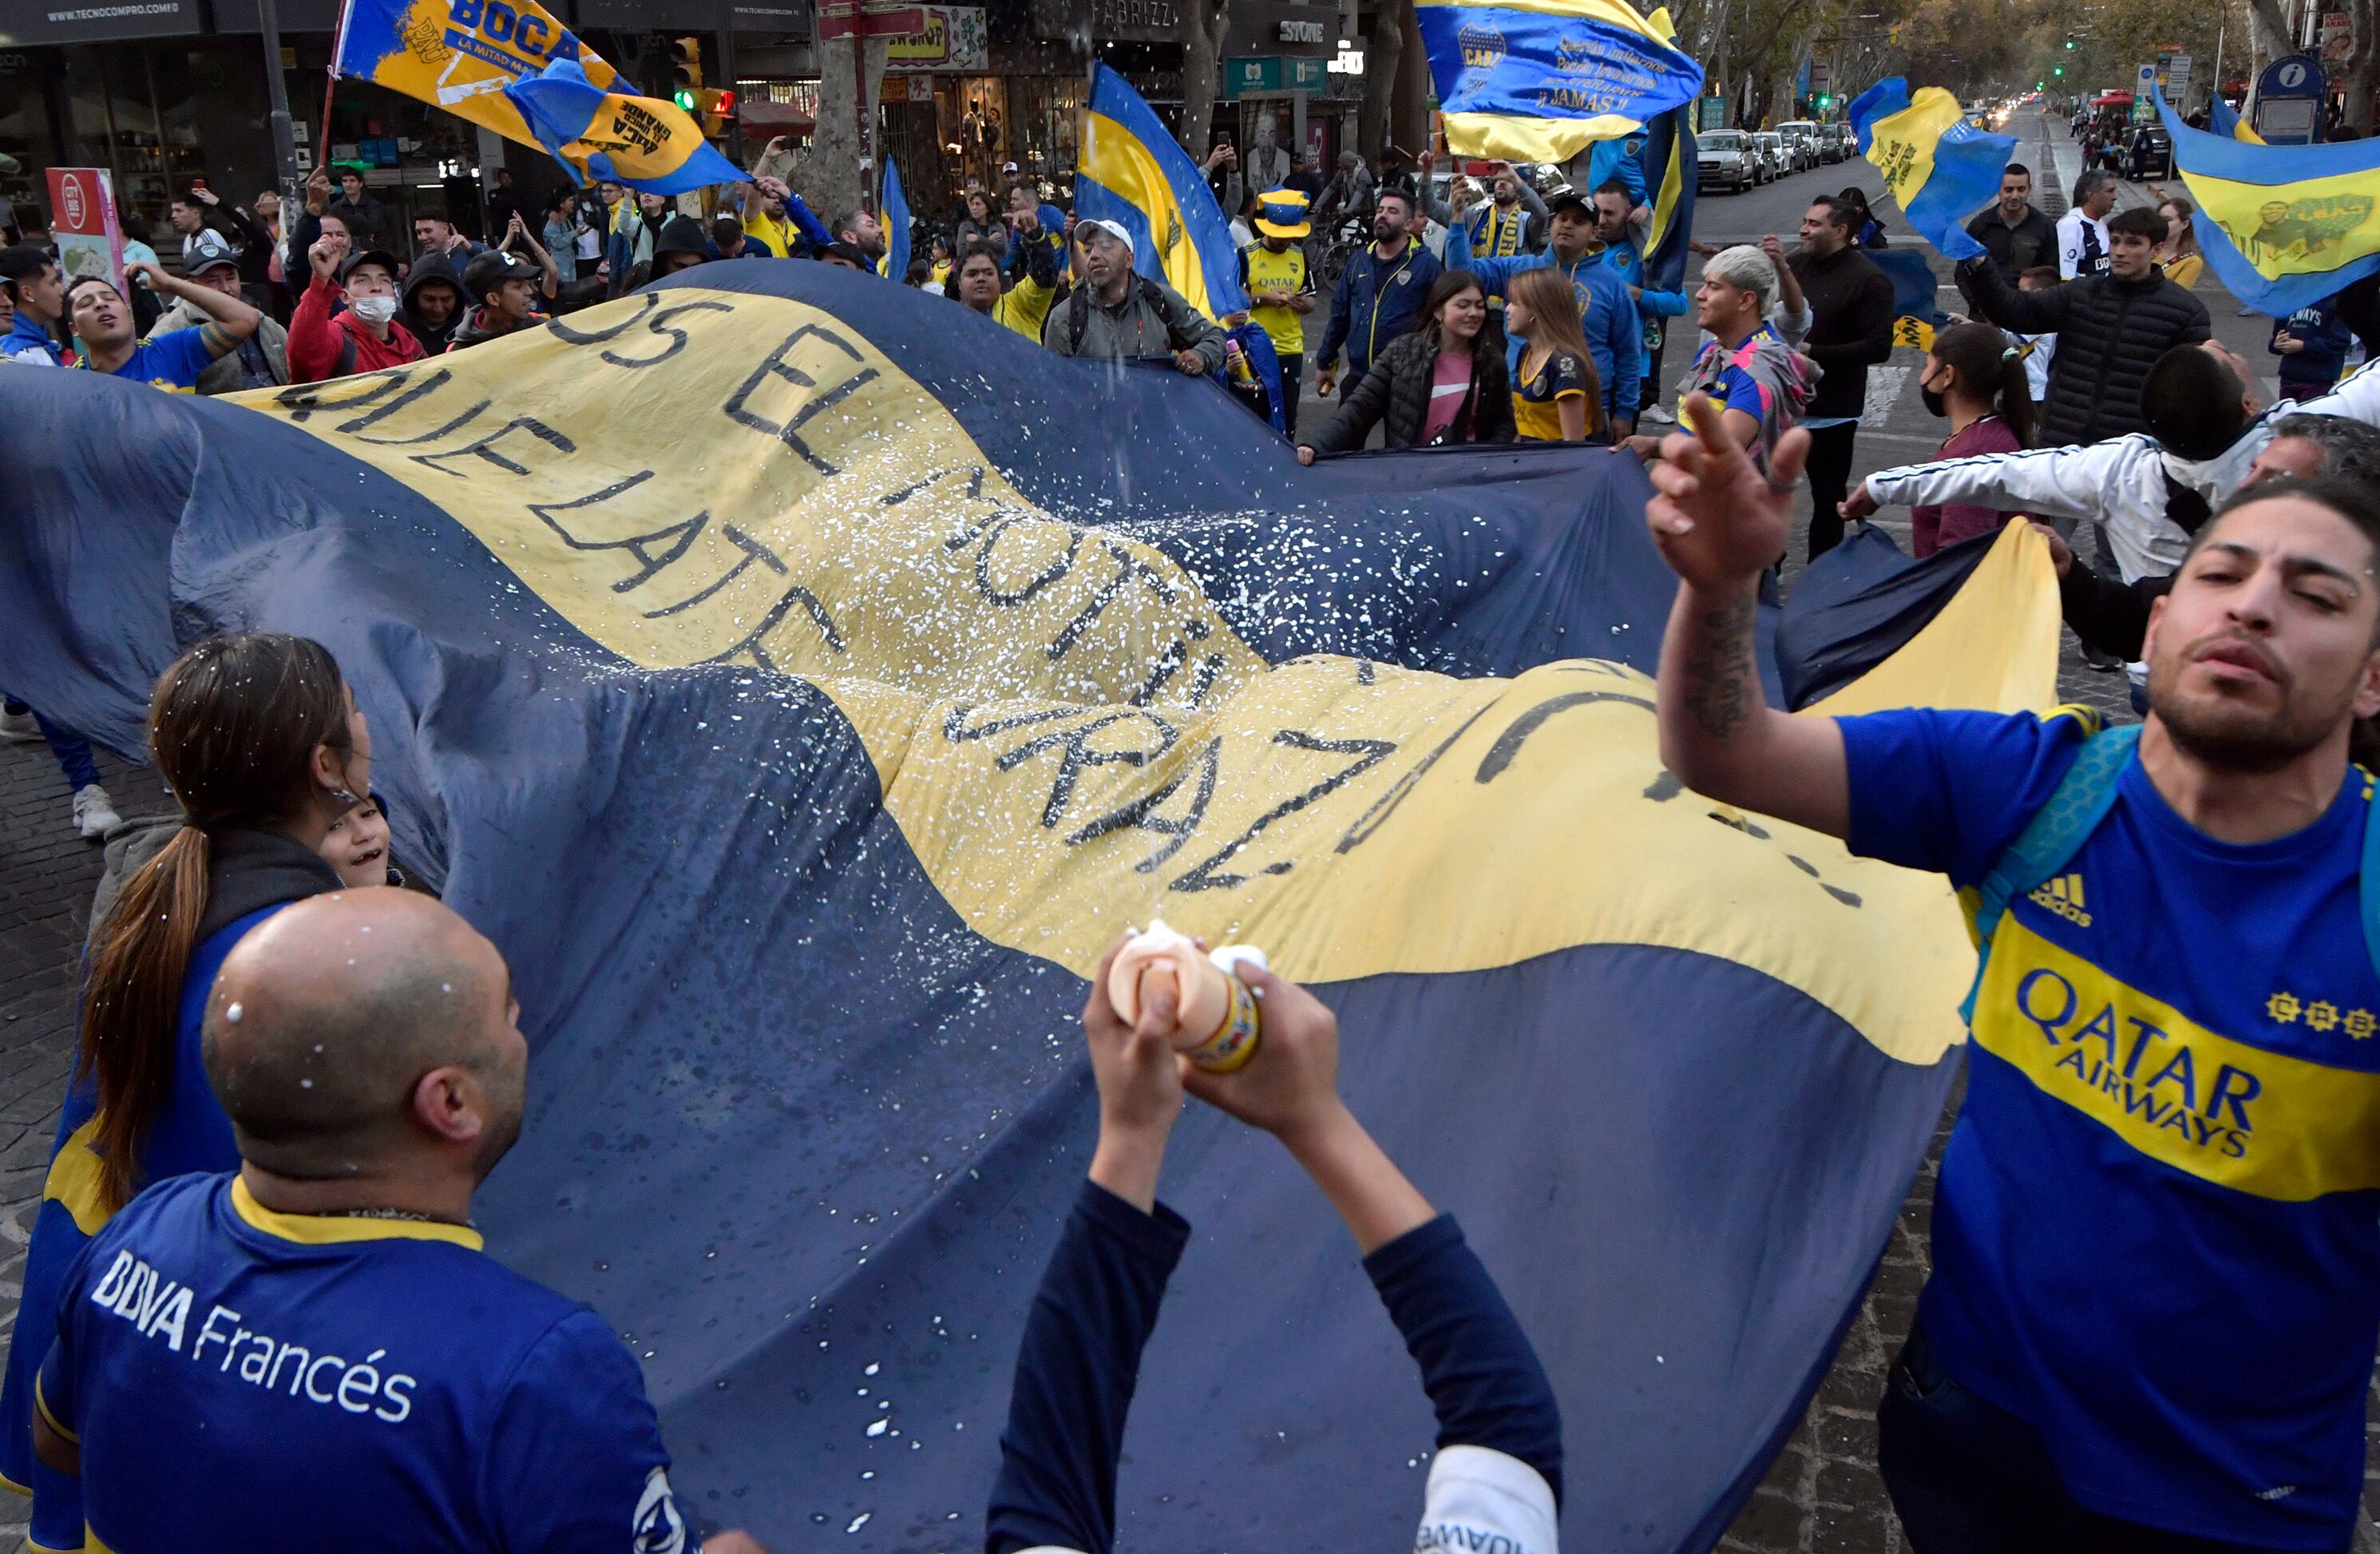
[1120,315]
[2157,1260]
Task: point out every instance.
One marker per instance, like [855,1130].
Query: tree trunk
[1389,21]
[2268,39]
[1200,25]
[829,180]
[2363,66]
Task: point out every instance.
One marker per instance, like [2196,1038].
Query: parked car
[1801,141]
[1847,141]
[1724,158]
[1771,148]
[1831,149]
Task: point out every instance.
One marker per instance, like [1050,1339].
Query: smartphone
[197,184]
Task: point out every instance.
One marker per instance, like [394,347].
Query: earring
[343,796]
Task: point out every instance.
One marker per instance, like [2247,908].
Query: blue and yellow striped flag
[894,208]
[1941,168]
[515,70]
[1538,80]
[2227,124]
[1134,172]
[2282,227]
[1668,157]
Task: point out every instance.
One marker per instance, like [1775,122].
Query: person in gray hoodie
[1118,315]
[259,361]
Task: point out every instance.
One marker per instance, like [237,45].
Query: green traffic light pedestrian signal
[1826,101]
[2070,43]
[685,99]
[2058,69]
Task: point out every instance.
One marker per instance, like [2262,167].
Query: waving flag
[2282,227]
[895,209]
[1669,159]
[1915,312]
[1133,171]
[1941,168]
[2227,124]
[511,67]
[1536,81]
[802,762]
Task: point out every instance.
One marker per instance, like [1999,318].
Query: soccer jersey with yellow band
[1263,270]
[2156,1238]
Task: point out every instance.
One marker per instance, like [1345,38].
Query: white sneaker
[94,812]
[17,728]
[1657,416]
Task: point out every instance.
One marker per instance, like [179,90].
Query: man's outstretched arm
[1719,522]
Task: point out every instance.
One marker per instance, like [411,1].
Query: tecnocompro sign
[60,22]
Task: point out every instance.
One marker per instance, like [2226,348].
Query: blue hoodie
[1615,330]
[30,342]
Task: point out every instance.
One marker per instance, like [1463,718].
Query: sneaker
[19,728]
[94,812]
[1655,415]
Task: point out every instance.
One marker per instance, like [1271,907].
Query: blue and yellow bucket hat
[1280,213]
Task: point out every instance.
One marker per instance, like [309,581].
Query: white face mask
[373,311]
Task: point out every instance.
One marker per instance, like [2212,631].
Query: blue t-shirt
[357,1384]
[2156,1237]
[171,361]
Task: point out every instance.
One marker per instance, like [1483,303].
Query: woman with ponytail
[1976,377]
[261,741]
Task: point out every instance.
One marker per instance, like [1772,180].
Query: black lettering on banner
[1129,567]
[1367,671]
[570,334]
[975,493]
[1369,753]
[1368,824]
[1759,832]
[1664,787]
[787,432]
[485,447]
[383,405]
[1508,744]
[304,401]
[1141,813]
[1006,598]
[658,324]
[1211,669]
[754,551]
[1079,753]
[678,537]
[956,730]
[1161,669]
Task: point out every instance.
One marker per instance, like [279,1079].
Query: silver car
[1773,154]
[1801,140]
[1725,159]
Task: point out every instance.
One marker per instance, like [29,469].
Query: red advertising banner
[89,241]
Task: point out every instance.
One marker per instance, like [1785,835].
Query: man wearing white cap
[1121,316]
[1280,287]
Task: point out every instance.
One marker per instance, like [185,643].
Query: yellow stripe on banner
[1665,201]
[1069,735]
[2307,227]
[1518,138]
[2223,1110]
[1113,158]
[1902,145]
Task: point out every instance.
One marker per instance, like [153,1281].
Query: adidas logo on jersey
[2063,895]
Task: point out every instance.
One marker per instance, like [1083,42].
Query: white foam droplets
[878,1428]
[231,1018]
[445,987]
[305,1084]
[859,1520]
[872,1368]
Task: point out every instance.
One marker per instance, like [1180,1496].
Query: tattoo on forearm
[1722,682]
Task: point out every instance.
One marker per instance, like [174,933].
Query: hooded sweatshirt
[30,343]
[317,339]
[434,339]
[1763,377]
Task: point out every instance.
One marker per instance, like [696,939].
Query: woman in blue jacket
[260,740]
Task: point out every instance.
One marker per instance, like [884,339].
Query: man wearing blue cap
[1280,287]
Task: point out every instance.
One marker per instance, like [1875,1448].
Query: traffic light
[2070,43]
[714,104]
[2041,86]
[686,71]
[1826,101]
[2058,69]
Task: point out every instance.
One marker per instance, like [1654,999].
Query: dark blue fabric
[1075,1372]
[1858,604]
[790,1117]
[1482,1376]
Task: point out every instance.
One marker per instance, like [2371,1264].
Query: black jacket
[1398,388]
[434,267]
[1850,327]
[2015,249]
[2109,334]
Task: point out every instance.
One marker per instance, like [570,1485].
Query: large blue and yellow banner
[802,680]
[1132,170]
[1537,80]
[508,66]
[1940,167]
[2282,227]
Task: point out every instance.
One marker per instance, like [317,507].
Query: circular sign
[70,201]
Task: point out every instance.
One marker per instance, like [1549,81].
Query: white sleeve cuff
[1481,1501]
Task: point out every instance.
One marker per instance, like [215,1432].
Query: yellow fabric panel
[1514,137]
[1060,771]
[2307,227]
[1993,647]
[74,1180]
[2223,1110]
[1902,145]
[644,138]
[428,68]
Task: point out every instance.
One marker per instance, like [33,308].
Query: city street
[1824,1495]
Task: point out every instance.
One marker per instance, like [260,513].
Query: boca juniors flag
[802,761]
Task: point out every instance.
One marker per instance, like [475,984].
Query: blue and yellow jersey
[2156,1238]
[1564,374]
[171,361]
[353,1383]
[1263,270]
